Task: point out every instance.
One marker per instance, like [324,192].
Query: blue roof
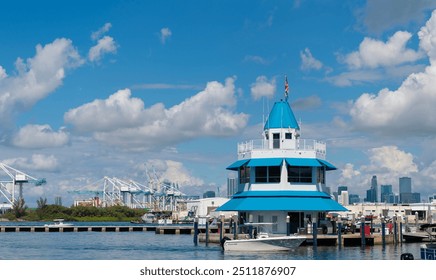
[278,162]
[281,116]
[265,162]
[282,201]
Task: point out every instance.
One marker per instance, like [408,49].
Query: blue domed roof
[281,116]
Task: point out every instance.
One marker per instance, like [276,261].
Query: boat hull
[428,252]
[282,243]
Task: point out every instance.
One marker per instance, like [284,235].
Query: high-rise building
[343,198]
[371,194]
[374,188]
[354,198]
[232,186]
[342,188]
[405,185]
[386,194]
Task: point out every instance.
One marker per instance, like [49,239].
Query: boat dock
[23,228]
[212,236]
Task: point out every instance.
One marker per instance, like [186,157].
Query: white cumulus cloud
[36,78]
[104,46]
[375,53]
[173,171]
[408,110]
[263,88]
[40,136]
[124,121]
[38,162]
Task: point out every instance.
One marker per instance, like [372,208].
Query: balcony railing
[300,145]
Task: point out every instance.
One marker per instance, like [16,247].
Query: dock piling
[383,228]
[339,231]
[207,230]
[196,230]
[362,230]
[288,225]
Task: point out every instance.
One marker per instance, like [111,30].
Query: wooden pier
[22,228]
[110,228]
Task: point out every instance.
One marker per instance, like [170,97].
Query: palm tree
[41,202]
[19,208]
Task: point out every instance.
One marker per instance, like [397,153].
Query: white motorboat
[263,241]
[58,223]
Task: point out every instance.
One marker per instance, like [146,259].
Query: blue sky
[113,88]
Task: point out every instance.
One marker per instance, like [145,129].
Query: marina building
[282,176]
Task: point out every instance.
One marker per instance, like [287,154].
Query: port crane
[114,191]
[12,179]
[155,194]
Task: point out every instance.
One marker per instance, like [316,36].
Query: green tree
[19,208]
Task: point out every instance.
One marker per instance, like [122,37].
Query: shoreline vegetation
[49,212]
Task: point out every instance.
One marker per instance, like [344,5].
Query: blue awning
[237,164]
[278,161]
[265,162]
[303,162]
[328,165]
[282,201]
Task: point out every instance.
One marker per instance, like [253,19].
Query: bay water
[152,246]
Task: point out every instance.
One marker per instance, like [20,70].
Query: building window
[274,174]
[261,174]
[288,135]
[267,174]
[299,174]
[244,175]
[276,140]
[274,222]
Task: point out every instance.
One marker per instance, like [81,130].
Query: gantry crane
[13,179]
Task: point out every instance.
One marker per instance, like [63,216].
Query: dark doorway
[295,221]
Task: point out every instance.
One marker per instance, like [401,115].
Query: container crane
[13,179]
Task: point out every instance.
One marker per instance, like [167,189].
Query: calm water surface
[151,246]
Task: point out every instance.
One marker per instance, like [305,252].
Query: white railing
[301,145]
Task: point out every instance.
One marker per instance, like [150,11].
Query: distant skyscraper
[353,198]
[386,194]
[209,194]
[371,194]
[342,188]
[232,186]
[58,200]
[405,187]
[374,188]
[344,198]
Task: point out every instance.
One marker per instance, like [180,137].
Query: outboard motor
[223,240]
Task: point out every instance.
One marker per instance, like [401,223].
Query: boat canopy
[278,161]
[282,201]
